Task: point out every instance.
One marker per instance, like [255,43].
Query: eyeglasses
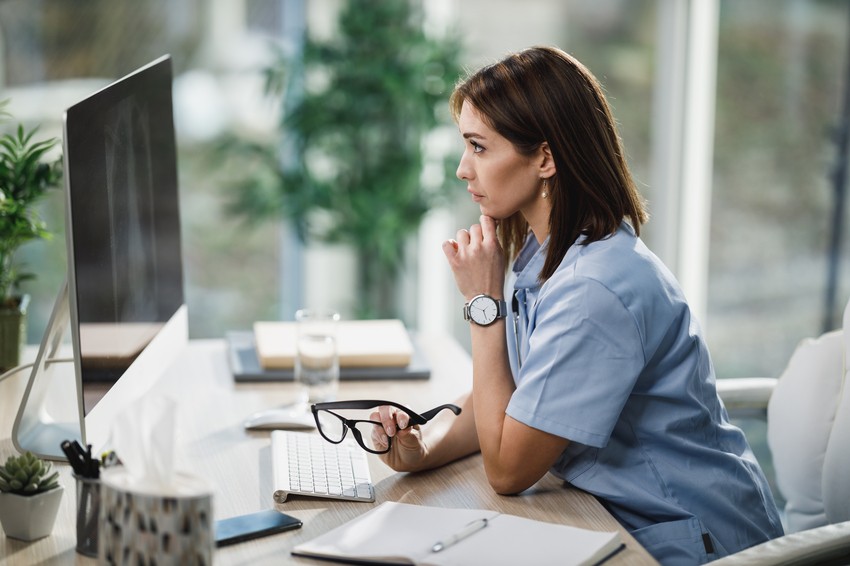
[333,426]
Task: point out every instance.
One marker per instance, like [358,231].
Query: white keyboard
[304,463]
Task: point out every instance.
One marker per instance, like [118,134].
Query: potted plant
[354,168]
[25,177]
[29,497]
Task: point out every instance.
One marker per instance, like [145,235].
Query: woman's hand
[408,452]
[477,260]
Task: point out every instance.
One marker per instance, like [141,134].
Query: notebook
[361,343]
[400,533]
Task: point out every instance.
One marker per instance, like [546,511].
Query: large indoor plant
[29,497]
[356,111]
[26,174]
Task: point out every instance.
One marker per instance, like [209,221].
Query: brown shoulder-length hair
[542,94]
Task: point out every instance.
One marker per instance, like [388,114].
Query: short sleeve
[583,359]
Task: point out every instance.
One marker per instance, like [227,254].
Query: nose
[464,171]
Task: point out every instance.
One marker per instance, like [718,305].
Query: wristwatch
[484,310]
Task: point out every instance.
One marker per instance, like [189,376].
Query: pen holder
[141,527]
[88,514]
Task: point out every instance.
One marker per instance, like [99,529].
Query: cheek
[509,181]
[518,184]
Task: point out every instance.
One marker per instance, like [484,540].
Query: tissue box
[140,526]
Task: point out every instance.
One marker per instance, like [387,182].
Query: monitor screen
[123,299]
[126,274]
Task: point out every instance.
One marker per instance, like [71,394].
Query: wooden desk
[237,463]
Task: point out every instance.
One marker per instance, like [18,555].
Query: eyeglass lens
[331,426]
[334,428]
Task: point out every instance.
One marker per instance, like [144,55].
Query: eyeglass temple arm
[415,418]
[430,414]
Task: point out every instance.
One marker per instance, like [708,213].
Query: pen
[468,530]
[92,465]
[109,459]
[76,456]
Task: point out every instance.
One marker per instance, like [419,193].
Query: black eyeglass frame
[350,424]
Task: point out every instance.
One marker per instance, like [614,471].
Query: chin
[495,215]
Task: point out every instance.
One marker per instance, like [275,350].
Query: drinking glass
[316,355]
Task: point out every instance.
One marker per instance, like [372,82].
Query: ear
[545,161]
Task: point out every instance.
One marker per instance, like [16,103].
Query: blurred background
[316,155]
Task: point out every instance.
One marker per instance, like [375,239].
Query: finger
[488,228]
[475,233]
[379,435]
[462,236]
[402,420]
[450,248]
[387,419]
[409,438]
[379,438]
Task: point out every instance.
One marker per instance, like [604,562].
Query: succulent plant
[27,475]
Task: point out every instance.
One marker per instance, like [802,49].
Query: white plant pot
[29,517]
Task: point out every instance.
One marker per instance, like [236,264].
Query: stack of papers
[398,533]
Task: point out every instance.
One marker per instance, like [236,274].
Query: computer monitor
[123,298]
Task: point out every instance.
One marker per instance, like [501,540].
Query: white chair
[808,432]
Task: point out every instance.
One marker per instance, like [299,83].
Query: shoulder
[623,266]
[620,252]
[611,259]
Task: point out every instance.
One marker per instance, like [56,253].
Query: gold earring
[545,193]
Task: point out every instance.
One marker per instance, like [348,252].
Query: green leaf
[353,153]
[25,178]
[49,483]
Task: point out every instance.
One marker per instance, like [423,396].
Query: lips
[475,196]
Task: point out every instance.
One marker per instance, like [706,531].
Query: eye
[476,147]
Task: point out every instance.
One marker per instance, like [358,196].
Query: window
[781,72]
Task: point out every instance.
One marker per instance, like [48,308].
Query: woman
[607,382]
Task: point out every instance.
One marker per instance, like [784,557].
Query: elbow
[508,484]
[506,490]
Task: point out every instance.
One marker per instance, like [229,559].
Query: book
[361,343]
[400,533]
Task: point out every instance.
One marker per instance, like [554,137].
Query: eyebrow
[468,135]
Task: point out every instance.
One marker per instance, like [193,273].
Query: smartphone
[254,525]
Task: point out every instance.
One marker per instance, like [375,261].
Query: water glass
[316,355]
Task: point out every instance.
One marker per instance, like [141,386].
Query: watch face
[483,310]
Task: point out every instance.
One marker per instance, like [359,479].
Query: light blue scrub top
[613,360]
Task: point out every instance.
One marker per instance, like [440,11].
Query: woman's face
[501,180]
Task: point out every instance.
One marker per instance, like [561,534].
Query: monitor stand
[46,417]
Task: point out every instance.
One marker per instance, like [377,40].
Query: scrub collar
[532,256]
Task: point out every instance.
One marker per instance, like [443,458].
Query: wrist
[484,310]
[495,296]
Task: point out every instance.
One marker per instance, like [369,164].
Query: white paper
[405,534]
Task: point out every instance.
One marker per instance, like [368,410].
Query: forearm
[453,438]
[515,455]
[492,388]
